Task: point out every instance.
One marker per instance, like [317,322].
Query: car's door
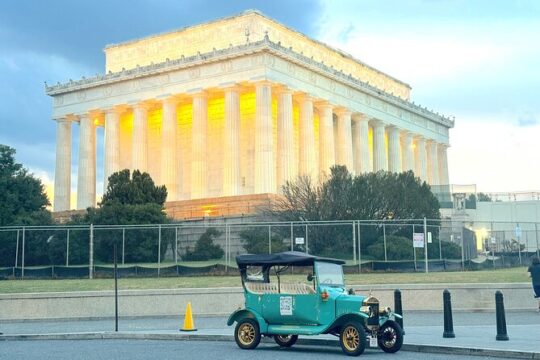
[290,307]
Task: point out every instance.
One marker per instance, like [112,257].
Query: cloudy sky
[476,60]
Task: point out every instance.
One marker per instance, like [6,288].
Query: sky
[476,60]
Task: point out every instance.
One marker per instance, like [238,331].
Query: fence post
[269,239]
[519,244]
[16,253]
[123,244]
[414,249]
[22,252]
[67,248]
[462,248]
[292,239]
[159,251]
[354,241]
[491,245]
[307,239]
[176,244]
[425,244]
[115,286]
[227,234]
[440,243]
[384,241]
[536,236]
[359,251]
[91,253]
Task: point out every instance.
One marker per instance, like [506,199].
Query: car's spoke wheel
[246,334]
[285,340]
[353,338]
[390,337]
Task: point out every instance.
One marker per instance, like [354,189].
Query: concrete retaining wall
[222,301]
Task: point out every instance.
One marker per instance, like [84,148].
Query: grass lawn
[512,275]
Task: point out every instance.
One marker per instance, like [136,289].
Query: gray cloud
[60,39]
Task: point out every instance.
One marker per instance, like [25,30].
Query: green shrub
[205,249]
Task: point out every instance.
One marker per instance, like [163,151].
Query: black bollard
[501,317]
[398,309]
[448,321]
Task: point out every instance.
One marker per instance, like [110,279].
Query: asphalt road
[163,350]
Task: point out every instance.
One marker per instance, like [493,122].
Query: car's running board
[296,329]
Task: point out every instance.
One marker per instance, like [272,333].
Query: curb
[451,350]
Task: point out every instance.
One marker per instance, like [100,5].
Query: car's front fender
[250,314]
[345,318]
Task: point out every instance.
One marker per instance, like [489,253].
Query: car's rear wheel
[247,334]
[390,337]
[352,338]
[285,340]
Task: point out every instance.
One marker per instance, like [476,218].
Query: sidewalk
[475,332]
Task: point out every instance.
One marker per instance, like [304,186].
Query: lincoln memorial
[232,109]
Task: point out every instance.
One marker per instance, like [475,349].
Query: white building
[231,109]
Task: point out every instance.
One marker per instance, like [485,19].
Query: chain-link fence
[210,246]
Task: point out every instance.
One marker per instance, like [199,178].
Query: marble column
[306,163]
[407,149]
[199,172]
[286,164]
[265,171]
[112,144]
[344,154]
[443,165]
[231,143]
[420,159]
[139,152]
[379,147]
[433,163]
[394,150]
[360,143]
[62,172]
[327,156]
[169,164]
[86,177]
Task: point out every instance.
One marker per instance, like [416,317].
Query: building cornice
[264,45]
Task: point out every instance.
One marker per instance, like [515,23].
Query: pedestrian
[534,269]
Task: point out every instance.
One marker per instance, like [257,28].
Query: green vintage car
[283,309]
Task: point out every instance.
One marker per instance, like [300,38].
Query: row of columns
[348,145]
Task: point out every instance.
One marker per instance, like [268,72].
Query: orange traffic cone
[189,325]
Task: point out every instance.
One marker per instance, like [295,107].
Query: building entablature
[259,55]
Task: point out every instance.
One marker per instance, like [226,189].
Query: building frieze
[160,74]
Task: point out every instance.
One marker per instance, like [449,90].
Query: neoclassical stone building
[234,108]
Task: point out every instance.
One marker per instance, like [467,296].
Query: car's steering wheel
[326,281]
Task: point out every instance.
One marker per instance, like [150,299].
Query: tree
[205,249]
[130,199]
[255,240]
[22,202]
[136,190]
[22,193]
[483,197]
[371,196]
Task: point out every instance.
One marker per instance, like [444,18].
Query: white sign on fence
[429,239]
[418,240]
[299,241]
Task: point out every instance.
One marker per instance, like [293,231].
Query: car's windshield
[329,274]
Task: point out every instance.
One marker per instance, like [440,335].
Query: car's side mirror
[310,277]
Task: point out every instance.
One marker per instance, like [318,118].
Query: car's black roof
[284,258]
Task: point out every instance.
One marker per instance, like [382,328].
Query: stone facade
[236,107]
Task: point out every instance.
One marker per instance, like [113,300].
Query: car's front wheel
[352,338]
[285,340]
[247,334]
[390,337]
